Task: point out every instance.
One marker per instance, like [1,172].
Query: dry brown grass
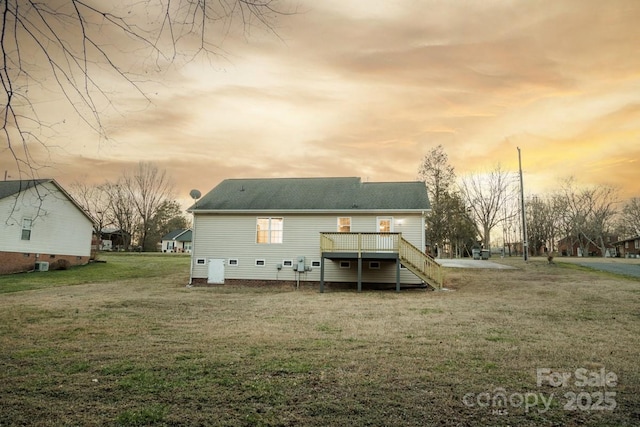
[146,352]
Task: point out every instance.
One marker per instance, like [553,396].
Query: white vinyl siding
[222,236]
[57,225]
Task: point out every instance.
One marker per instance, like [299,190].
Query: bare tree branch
[84,46]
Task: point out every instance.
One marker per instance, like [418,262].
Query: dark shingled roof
[9,188]
[180,235]
[313,194]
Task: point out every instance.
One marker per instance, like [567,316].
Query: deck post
[398,274]
[360,273]
[321,274]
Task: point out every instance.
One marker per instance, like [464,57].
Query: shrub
[61,264]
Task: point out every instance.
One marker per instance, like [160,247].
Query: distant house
[317,230]
[41,224]
[113,239]
[177,241]
[629,248]
[571,246]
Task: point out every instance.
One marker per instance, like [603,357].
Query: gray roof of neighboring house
[180,235]
[9,188]
[313,194]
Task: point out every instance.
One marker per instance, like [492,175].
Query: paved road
[626,269]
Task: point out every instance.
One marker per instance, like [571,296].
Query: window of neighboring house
[269,230]
[626,245]
[344,225]
[637,244]
[26,228]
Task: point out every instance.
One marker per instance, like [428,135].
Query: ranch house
[318,230]
[41,226]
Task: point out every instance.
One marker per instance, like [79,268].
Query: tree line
[467,211]
[139,205]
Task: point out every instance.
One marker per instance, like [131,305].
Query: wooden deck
[380,246]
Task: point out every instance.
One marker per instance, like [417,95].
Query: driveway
[471,263]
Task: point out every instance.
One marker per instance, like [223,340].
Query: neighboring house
[177,241]
[312,230]
[41,224]
[629,248]
[570,246]
[113,239]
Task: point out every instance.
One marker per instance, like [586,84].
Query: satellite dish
[195,194]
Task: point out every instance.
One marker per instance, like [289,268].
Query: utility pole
[525,244]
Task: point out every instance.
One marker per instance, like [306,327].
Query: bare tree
[486,195]
[149,189]
[121,212]
[95,200]
[439,177]
[81,49]
[436,172]
[631,216]
[588,214]
[542,224]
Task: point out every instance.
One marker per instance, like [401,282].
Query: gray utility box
[476,253]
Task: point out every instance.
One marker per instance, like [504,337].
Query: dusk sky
[366,88]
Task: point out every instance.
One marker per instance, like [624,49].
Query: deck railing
[412,257]
[359,242]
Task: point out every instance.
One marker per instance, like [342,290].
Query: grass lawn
[128,344]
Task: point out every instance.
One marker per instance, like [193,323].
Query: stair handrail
[421,261]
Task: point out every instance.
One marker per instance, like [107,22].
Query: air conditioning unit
[42,266]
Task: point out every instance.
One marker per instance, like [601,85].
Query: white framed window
[374,265]
[269,230]
[287,263]
[26,228]
[233,262]
[345,264]
[385,224]
[260,263]
[315,263]
[344,224]
[637,244]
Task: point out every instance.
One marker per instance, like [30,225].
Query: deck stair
[369,244]
[420,264]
